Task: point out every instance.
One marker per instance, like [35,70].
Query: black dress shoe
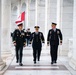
[51,62]
[17,61]
[20,64]
[55,62]
[34,62]
[38,59]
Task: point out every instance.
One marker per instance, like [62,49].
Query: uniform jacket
[28,35]
[54,36]
[19,37]
[37,39]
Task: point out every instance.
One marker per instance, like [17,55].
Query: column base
[2,65]
[6,54]
[72,63]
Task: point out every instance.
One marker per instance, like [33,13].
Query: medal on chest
[58,32]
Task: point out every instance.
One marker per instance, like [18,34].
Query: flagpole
[24,20]
[24,24]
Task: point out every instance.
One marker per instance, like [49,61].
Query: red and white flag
[20,18]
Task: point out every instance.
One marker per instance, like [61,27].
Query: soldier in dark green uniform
[54,37]
[19,42]
[37,39]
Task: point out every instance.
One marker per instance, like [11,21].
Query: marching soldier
[54,37]
[37,39]
[19,42]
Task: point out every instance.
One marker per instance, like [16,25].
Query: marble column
[6,26]
[59,20]
[58,13]
[19,8]
[36,12]
[46,18]
[72,61]
[27,13]
[2,64]
[66,25]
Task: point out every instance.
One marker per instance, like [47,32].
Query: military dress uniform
[19,39]
[53,39]
[37,39]
[28,35]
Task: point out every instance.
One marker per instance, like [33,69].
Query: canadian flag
[20,18]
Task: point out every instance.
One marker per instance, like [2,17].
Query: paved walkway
[43,67]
